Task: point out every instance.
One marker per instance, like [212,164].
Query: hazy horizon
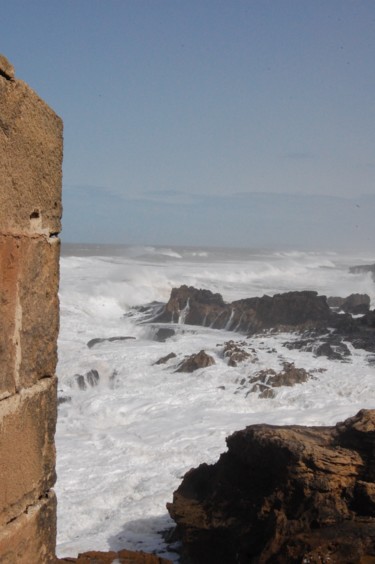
[241,124]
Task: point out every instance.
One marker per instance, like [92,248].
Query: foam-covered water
[123,445]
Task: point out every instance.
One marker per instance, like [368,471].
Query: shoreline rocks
[283,495]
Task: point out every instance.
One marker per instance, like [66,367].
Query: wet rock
[164,359]
[265,380]
[298,310]
[163,334]
[354,304]
[97,341]
[63,399]
[196,361]
[331,346]
[283,495]
[235,352]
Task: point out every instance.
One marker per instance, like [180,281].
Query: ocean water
[124,444]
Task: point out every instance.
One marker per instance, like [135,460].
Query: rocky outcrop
[355,304]
[292,310]
[283,495]
[235,352]
[165,359]
[196,361]
[265,380]
[98,340]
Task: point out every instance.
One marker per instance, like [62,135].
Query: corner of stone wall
[30,215]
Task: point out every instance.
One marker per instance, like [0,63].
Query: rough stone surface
[27,463]
[30,161]
[29,306]
[283,495]
[30,212]
[121,557]
[196,361]
[6,68]
[30,539]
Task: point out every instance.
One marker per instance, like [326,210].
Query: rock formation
[292,310]
[354,304]
[283,495]
[196,361]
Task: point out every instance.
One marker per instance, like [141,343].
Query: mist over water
[124,444]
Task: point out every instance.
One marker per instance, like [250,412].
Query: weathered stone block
[30,161]
[30,539]
[29,270]
[27,452]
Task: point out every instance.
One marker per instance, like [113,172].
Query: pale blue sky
[207,122]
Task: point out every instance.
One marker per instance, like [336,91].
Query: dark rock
[196,361]
[165,359]
[80,381]
[96,341]
[163,334]
[330,345]
[92,377]
[283,495]
[355,304]
[63,399]
[264,380]
[235,352]
[295,310]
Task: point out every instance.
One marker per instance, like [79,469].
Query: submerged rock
[265,380]
[196,361]
[163,334]
[97,341]
[164,359]
[283,495]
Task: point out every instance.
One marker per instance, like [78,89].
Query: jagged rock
[195,361]
[331,346]
[163,334]
[354,304]
[121,557]
[292,310]
[165,359]
[265,380]
[96,341]
[283,495]
[235,352]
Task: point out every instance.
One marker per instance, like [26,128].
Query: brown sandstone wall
[30,212]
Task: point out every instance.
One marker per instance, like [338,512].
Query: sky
[245,123]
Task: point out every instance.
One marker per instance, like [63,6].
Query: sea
[125,441]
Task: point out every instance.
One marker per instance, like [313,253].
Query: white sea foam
[123,445]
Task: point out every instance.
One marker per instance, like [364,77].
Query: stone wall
[30,213]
